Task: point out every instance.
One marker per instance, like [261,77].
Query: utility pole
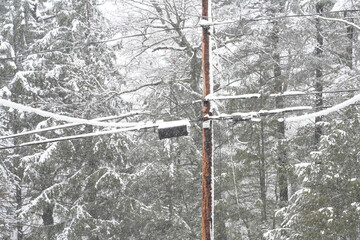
[207,221]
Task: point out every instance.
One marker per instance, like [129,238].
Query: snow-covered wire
[255,115]
[95,134]
[59,117]
[159,124]
[332,109]
[257,95]
[235,116]
[68,125]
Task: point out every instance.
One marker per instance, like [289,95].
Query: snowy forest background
[141,59]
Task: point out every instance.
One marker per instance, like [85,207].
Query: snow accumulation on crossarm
[253,116]
[252,95]
[283,110]
[58,117]
[205,23]
[324,112]
[243,96]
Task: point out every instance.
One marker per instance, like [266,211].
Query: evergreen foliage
[90,59]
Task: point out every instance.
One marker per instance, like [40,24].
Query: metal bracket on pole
[207,124]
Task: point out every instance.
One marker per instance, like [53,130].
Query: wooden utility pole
[207,232]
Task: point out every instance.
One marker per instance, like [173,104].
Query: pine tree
[327,204]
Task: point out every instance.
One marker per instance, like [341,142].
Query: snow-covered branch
[326,111]
[140,87]
[340,20]
[169,48]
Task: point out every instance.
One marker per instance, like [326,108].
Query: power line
[95,134]
[272,18]
[298,15]
[68,125]
[166,29]
[158,124]
[284,94]
[235,116]
[59,117]
[324,112]
[225,22]
[249,116]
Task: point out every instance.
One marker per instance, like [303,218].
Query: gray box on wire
[173,129]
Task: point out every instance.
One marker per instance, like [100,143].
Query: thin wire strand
[74,137]
[171,29]
[59,117]
[284,16]
[286,94]
[70,125]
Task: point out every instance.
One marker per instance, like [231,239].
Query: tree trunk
[318,74]
[19,202]
[262,173]
[349,47]
[47,215]
[280,86]
[262,164]
[220,210]
[195,70]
